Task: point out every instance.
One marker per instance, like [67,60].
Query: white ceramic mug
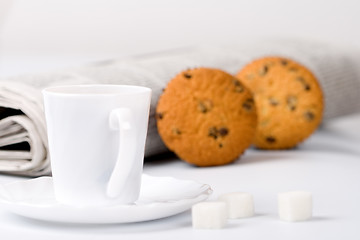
[97,138]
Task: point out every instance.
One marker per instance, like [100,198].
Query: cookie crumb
[159,116]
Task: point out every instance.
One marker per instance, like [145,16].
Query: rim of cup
[95,90]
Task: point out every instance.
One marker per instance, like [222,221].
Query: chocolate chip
[309,116]
[223,131]
[270,139]
[212,132]
[176,131]
[187,75]
[303,82]
[273,101]
[159,116]
[248,104]
[202,108]
[263,70]
[163,89]
[238,86]
[205,106]
[220,145]
[284,62]
[215,133]
[236,82]
[291,102]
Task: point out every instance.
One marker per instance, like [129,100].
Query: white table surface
[328,165]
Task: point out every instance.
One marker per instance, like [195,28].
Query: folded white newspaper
[23,138]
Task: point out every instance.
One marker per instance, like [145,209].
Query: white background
[43,34]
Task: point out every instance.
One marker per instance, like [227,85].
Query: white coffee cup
[96,139]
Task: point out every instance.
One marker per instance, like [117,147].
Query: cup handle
[121,119]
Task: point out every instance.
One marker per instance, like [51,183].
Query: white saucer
[159,197]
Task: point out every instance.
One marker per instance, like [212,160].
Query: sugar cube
[295,206]
[209,215]
[240,204]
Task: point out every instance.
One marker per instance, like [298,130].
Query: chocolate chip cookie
[206,116]
[288,98]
